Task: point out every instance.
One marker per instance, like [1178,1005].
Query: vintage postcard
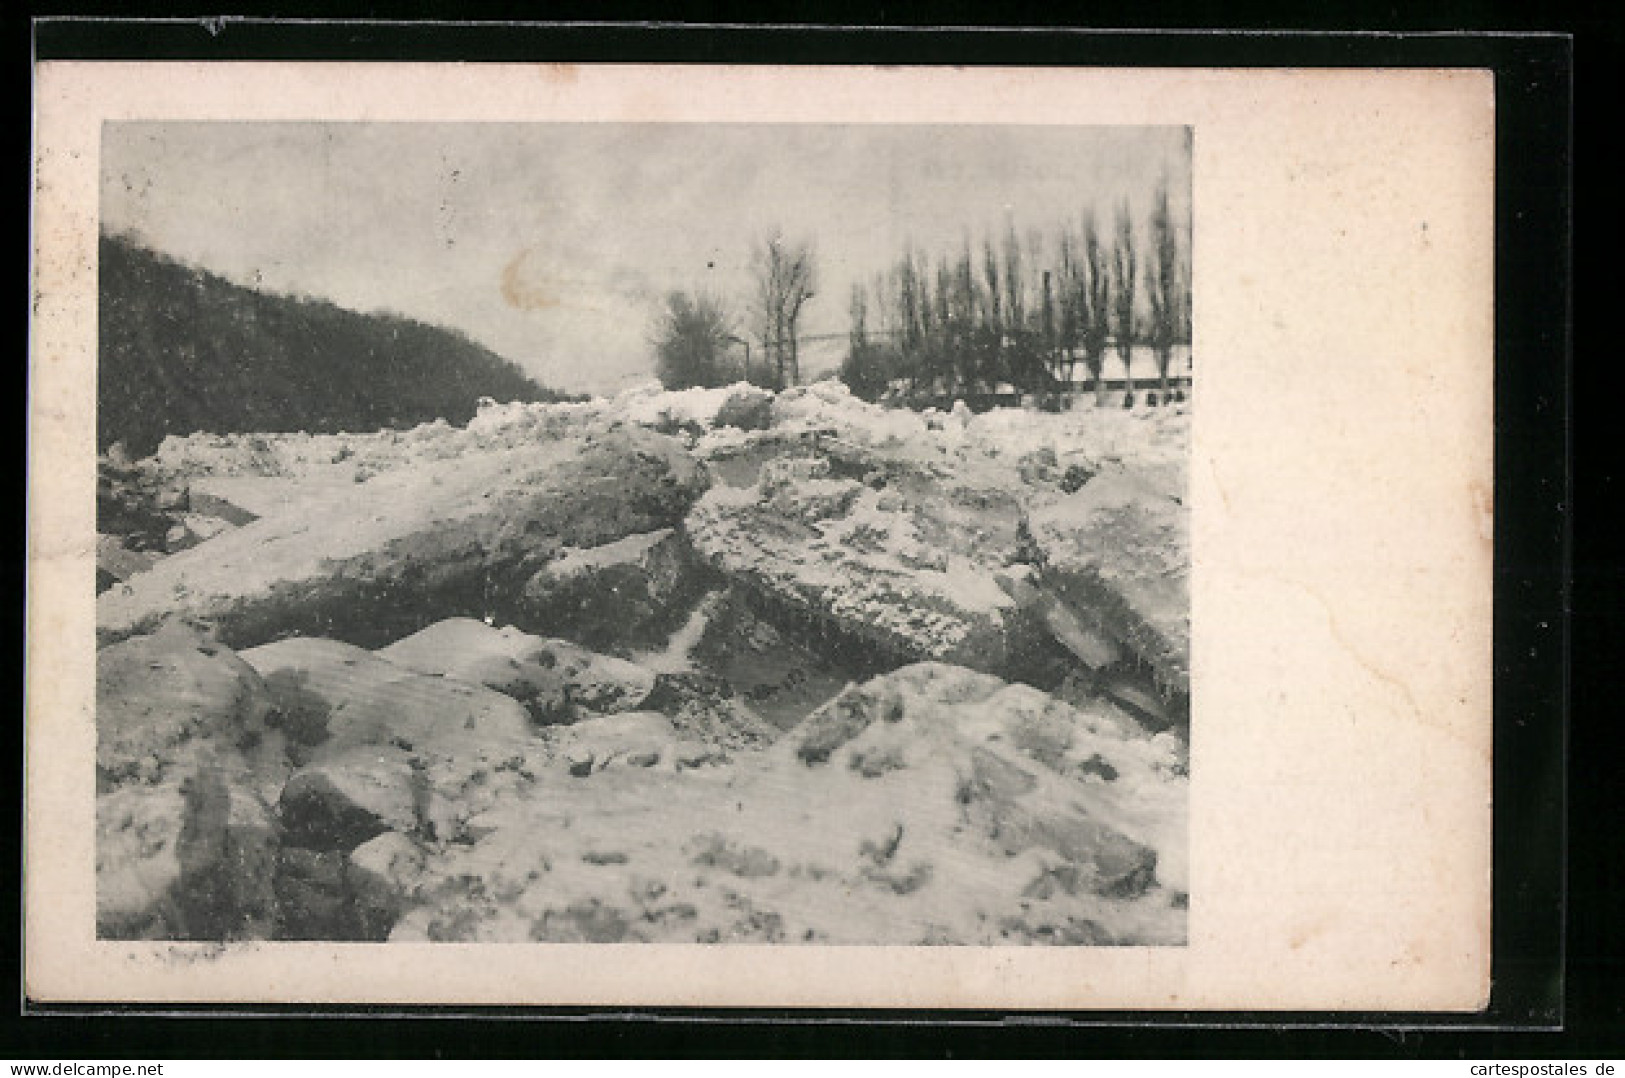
[718,536]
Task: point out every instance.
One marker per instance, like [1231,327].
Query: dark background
[1559,991]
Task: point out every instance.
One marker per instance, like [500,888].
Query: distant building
[1180,371]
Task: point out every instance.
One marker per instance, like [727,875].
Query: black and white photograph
[644,533]
[731,535]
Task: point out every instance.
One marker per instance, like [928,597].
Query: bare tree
[1163,288]
[979,305]
[1029,363]
[994,316]
[909,300]
[1049,329]
[785,280]
[858,311]
[1124,269]
[1015,284]
[1067,329]
[864,369]
[940,327]
[1094,306]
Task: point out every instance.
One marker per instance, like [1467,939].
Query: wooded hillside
[183,350]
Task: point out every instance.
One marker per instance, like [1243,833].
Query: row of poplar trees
[1026,314]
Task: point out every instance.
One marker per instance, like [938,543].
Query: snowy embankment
[703,666]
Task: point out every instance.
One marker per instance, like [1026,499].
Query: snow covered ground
[708,666]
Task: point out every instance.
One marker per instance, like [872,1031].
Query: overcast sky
[552,244]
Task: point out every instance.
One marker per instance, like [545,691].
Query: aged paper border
[1340,485]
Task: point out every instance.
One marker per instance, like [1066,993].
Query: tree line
[1024,311]
[1019,311]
